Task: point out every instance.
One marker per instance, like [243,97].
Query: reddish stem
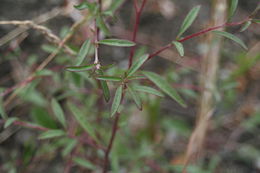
[138,13]
[113,135]
[198,34]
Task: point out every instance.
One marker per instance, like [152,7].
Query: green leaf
[85,5]
[137,64]
[102,25]
[81,119]
[135,97]
[164,86]
[189,20]
[2,110]
[58,112]
[10,121]
[109,78]
[179,47]
[42,117]
[104,87]
[117,100]
[136,77]
[117,42]
[232,9]
[83,52]
[52,134]
[69,147]
[84,163]
[256,20]
[231,37]
[245,26]
[80,68]
[148,90]
[115,5]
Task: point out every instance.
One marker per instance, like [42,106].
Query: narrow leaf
[231,37]
[69,147]
[10,121]
[135,97]
[117,100]
[81,6]
[52,134]
[137,64]
[104,86]
[136,77]
[83,52]
[164,86]
[117,42]
[58,112]
[102,25]
[148,90]
[81,119]
[109,78]
[85,5]
[84,163]
[256,20]
[2,110]
[189,20]
[232,9]
[179,47]
[80,68]
[245,26]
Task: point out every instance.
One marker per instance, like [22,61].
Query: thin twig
[138,13]
[111,141]
[40,19]
[49,58]
[204,31]
[45,31]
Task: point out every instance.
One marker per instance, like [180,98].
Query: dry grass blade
[45,31]
[208,79]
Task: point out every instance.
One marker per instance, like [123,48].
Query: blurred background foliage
[151,140]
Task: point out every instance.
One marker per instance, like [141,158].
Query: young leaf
[148,90]
[135,97]
[52,134]
[84,163]
[80,68]
[117,42]
[81,119]
[179,47]
[109,78]
[10,121]
[245,26]
[164,86]
[85,5]
[69,147]
[83,52]
[256,20]
[114,5]
[104,86]
[189,20]
[136,77]
[137,64]
[117,100]
[232,9]
[102,25]
[58,112]
[231,37]
[2,110]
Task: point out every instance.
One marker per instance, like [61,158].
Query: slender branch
[204,31]
[111,141]
[138,13]
[50,57]
[50,36]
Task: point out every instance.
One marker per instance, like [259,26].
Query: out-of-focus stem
[209,69]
